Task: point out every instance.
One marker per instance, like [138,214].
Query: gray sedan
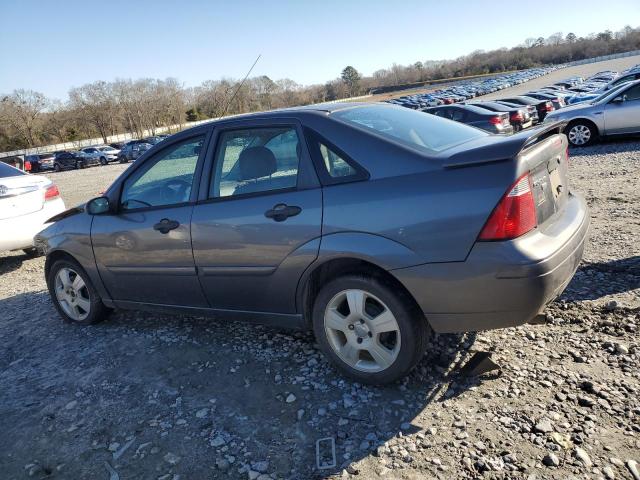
[614,113]
[371,224]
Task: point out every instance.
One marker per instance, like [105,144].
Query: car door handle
[165,225]
[282,211]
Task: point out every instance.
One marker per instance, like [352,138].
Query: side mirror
[98,206]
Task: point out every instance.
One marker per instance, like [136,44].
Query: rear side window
[336,166]
[255,160]
[416,129]
[7,171]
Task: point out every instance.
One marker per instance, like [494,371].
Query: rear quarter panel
[436,215]
[430,213]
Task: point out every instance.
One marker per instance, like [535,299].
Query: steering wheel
[176,190]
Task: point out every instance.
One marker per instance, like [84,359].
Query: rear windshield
[411,127]
[7,171]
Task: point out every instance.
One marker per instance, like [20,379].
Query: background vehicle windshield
[416,129]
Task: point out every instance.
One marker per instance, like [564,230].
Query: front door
[143,251]
[258,227]
[623,116]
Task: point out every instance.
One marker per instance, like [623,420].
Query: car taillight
[516,117]
[514,215]
[549,107]
[51,192]
[495,120]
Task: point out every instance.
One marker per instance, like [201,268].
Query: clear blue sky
[50,46]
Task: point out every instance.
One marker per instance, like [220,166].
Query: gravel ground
[168,397]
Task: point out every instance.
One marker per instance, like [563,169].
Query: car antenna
[240,86]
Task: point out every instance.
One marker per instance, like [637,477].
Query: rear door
[143,251]
[623,117]
[257,225]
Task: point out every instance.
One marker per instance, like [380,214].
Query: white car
[26,203]
[104,154]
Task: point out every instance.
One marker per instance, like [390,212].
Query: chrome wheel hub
[72,294]
[579,134]
[362,331]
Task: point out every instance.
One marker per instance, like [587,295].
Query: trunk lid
[548,163]
[540,151]
[21,195]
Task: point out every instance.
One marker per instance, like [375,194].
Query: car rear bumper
[502,284]
[18,232]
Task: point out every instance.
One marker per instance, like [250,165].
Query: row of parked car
[514,113]
[122,152]
[469,89]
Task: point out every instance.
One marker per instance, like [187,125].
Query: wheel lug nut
[359,340]
[361,320]
[351,327]
[370,334]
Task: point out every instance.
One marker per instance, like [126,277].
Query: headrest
[256,162]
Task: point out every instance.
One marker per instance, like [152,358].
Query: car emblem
[3,190]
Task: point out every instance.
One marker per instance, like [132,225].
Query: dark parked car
[371,224]
[132,151]
[40,162]
[557,100]
[73,159]
[533,111]
[542,106]
[494,122]
[519,117]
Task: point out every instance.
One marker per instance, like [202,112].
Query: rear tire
[73,294]
[581,133]
[370,332]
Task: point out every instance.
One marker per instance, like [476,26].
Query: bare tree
[22,110]
[97,104]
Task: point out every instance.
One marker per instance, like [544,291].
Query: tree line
[101,109]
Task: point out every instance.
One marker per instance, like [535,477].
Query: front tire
[370,332]
[73,294]
[103,161]
[581,133]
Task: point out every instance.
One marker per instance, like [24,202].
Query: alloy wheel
[579,134]
[72,294]
[362,331]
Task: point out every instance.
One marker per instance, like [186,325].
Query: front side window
[166,179]
[255,160]
[413,128]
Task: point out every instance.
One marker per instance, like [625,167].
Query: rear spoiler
[502,149]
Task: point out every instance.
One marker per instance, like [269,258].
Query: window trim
[196,173]
[314,139]
[206,187]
